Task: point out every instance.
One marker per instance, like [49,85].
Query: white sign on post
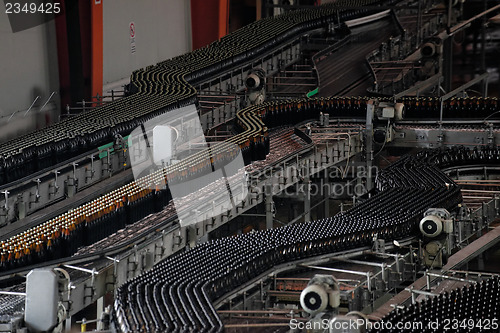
[132,37]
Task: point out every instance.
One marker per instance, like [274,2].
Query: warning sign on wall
[132,37]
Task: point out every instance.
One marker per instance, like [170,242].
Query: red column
[205,29]
[223,18]
[96,34]
[84,7]
[62,57]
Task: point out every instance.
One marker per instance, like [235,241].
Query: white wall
[163,30]
[28,68]
[28,59]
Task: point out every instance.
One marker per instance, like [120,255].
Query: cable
[348,156]
[491,115]
[383,145]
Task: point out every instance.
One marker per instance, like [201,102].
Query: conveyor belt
[283,143]
[456,261]
[176,294]
[474,308]
[63,235]
[345,72]
[61,207]
[179,291]
[158,89]
[189,283]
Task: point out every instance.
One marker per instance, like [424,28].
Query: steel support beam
[370,109]
[307,199]
[269,206]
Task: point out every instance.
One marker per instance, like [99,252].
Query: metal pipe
[294,84]
[90,271]
[36,99]
[53,93]
[212,102]
[447,277]
[338,270]
[466,23]
[255,311]
[480,191]
[470,272]
[479,182]
[421,292]
[12,115]
[464,86]
[258,325]
[13,293]
[430,82]
[295,77]
[419,22]
[370,111]
[360,262]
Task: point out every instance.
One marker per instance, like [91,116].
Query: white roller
[399,111]
[256,80]
[431,226]
[428,49]
[314,299]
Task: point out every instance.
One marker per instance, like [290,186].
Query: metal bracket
[37,192]
[241,206]
[89,174]
[132,264]
[160,253]
[92,271]
[211,223]
[177,239]
[53,187]
[4,211]
[92,291]
[74,169]
[20,207]
[415,292]
[6,194]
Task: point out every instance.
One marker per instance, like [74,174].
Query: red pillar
[209,21]
[96,34]
[84,11]
[62,57]
[223,18]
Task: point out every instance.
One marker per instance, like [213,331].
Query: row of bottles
[169,84]
[255,145]
[62,236]
[455,107]
[295,111]
[460,155]
[473,308]
[93,221]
